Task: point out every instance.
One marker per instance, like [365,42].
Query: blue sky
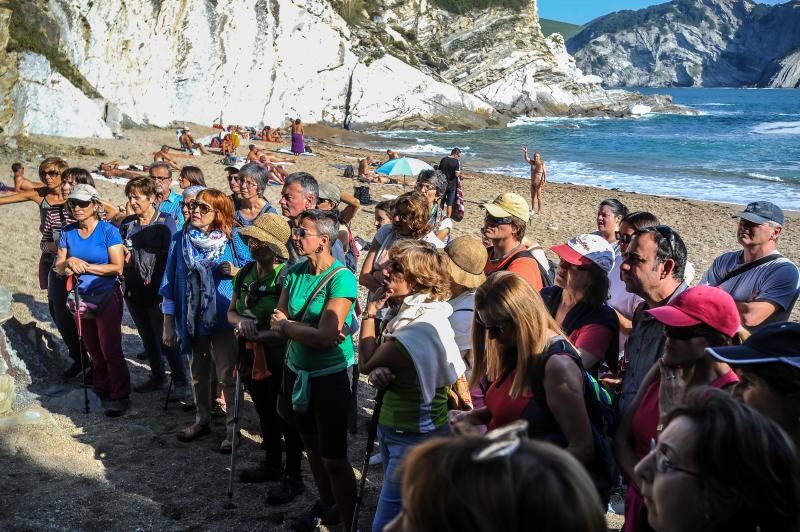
[582,11]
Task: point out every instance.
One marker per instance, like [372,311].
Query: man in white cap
[504,226]
[764,283]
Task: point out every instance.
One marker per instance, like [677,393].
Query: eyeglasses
[492,329]
[202,208]
[247,184]
[667,232]
[503,442]
[567,266]
[78,204]
[52,173]
[302,232]
[492,220]
[425,187]
[624,238]
[664,464]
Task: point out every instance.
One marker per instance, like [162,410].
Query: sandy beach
[77,471]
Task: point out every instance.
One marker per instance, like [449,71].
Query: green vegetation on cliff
[566,29]
[464,6]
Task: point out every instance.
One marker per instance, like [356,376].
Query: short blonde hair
[56,163]
[506,297]
[423,264]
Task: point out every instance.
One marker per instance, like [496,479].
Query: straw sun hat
[467,258]
[272,230]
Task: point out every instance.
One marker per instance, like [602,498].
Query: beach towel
[298,144]
[115,180]
[284,150]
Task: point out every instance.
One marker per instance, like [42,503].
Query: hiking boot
[262,473]
[193,432]
[74,370]
[286,491]
[118,407]
[151,385]
[315,516]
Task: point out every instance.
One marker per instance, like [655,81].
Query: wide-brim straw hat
[467,258]
[272,230]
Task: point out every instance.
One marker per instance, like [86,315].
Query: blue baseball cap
[760,212]
[778,342]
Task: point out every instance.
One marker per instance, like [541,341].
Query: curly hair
[423,264]
[418,213]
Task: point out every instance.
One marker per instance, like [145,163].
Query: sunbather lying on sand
[112,169]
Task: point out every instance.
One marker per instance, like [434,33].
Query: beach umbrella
[403,166]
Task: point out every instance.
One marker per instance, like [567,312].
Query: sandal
[193,432]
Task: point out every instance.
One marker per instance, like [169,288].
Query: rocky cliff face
[709,43]
[94,65]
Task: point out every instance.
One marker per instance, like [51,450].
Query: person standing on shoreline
[538,179]
[298,143]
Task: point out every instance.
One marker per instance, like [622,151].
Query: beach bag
[308,149]
[361,193]
[349,171]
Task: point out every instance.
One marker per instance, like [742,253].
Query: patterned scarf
[202,252]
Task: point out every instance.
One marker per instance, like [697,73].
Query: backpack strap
[239,280]
[521,255]
[748,266]
[325,280]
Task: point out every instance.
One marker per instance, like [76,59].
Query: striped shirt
[55,219]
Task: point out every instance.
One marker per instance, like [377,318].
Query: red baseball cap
[701,304]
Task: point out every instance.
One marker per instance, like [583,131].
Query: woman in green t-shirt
[416,360]
[314,314]
[256,289]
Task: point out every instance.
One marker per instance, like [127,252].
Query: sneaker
[286,491]
[315,516]
[262,473]
[151,385]
[118,407]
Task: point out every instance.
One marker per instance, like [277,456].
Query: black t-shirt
[449,166]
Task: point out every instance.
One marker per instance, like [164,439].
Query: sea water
[744,145]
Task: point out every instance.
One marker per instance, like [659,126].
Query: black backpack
[349,171]
[548,277]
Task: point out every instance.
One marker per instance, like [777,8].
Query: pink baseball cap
[701,304]
[587,249]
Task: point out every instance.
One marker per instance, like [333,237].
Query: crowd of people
[514,393]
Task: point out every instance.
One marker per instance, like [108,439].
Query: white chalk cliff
[104,63]
[700,43]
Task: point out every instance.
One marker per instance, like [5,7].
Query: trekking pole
[169,390]
[372,431]
[81,348]
[236,402]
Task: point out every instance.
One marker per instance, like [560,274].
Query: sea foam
[777,128]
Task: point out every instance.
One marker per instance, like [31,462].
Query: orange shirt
[525,267]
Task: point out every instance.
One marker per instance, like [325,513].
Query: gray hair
[435,178]
[308,184]
[161,164]
[327,223]
[259,173]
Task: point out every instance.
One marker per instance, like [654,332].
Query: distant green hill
[566,29]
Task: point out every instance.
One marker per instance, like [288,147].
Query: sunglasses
[664,464]
[202,208]
[302,232]
[492,220]
[78,204]
[503,442]
[685,333]
[567,266]
[624,238]
[495,330]
[52,173]
[667,232]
